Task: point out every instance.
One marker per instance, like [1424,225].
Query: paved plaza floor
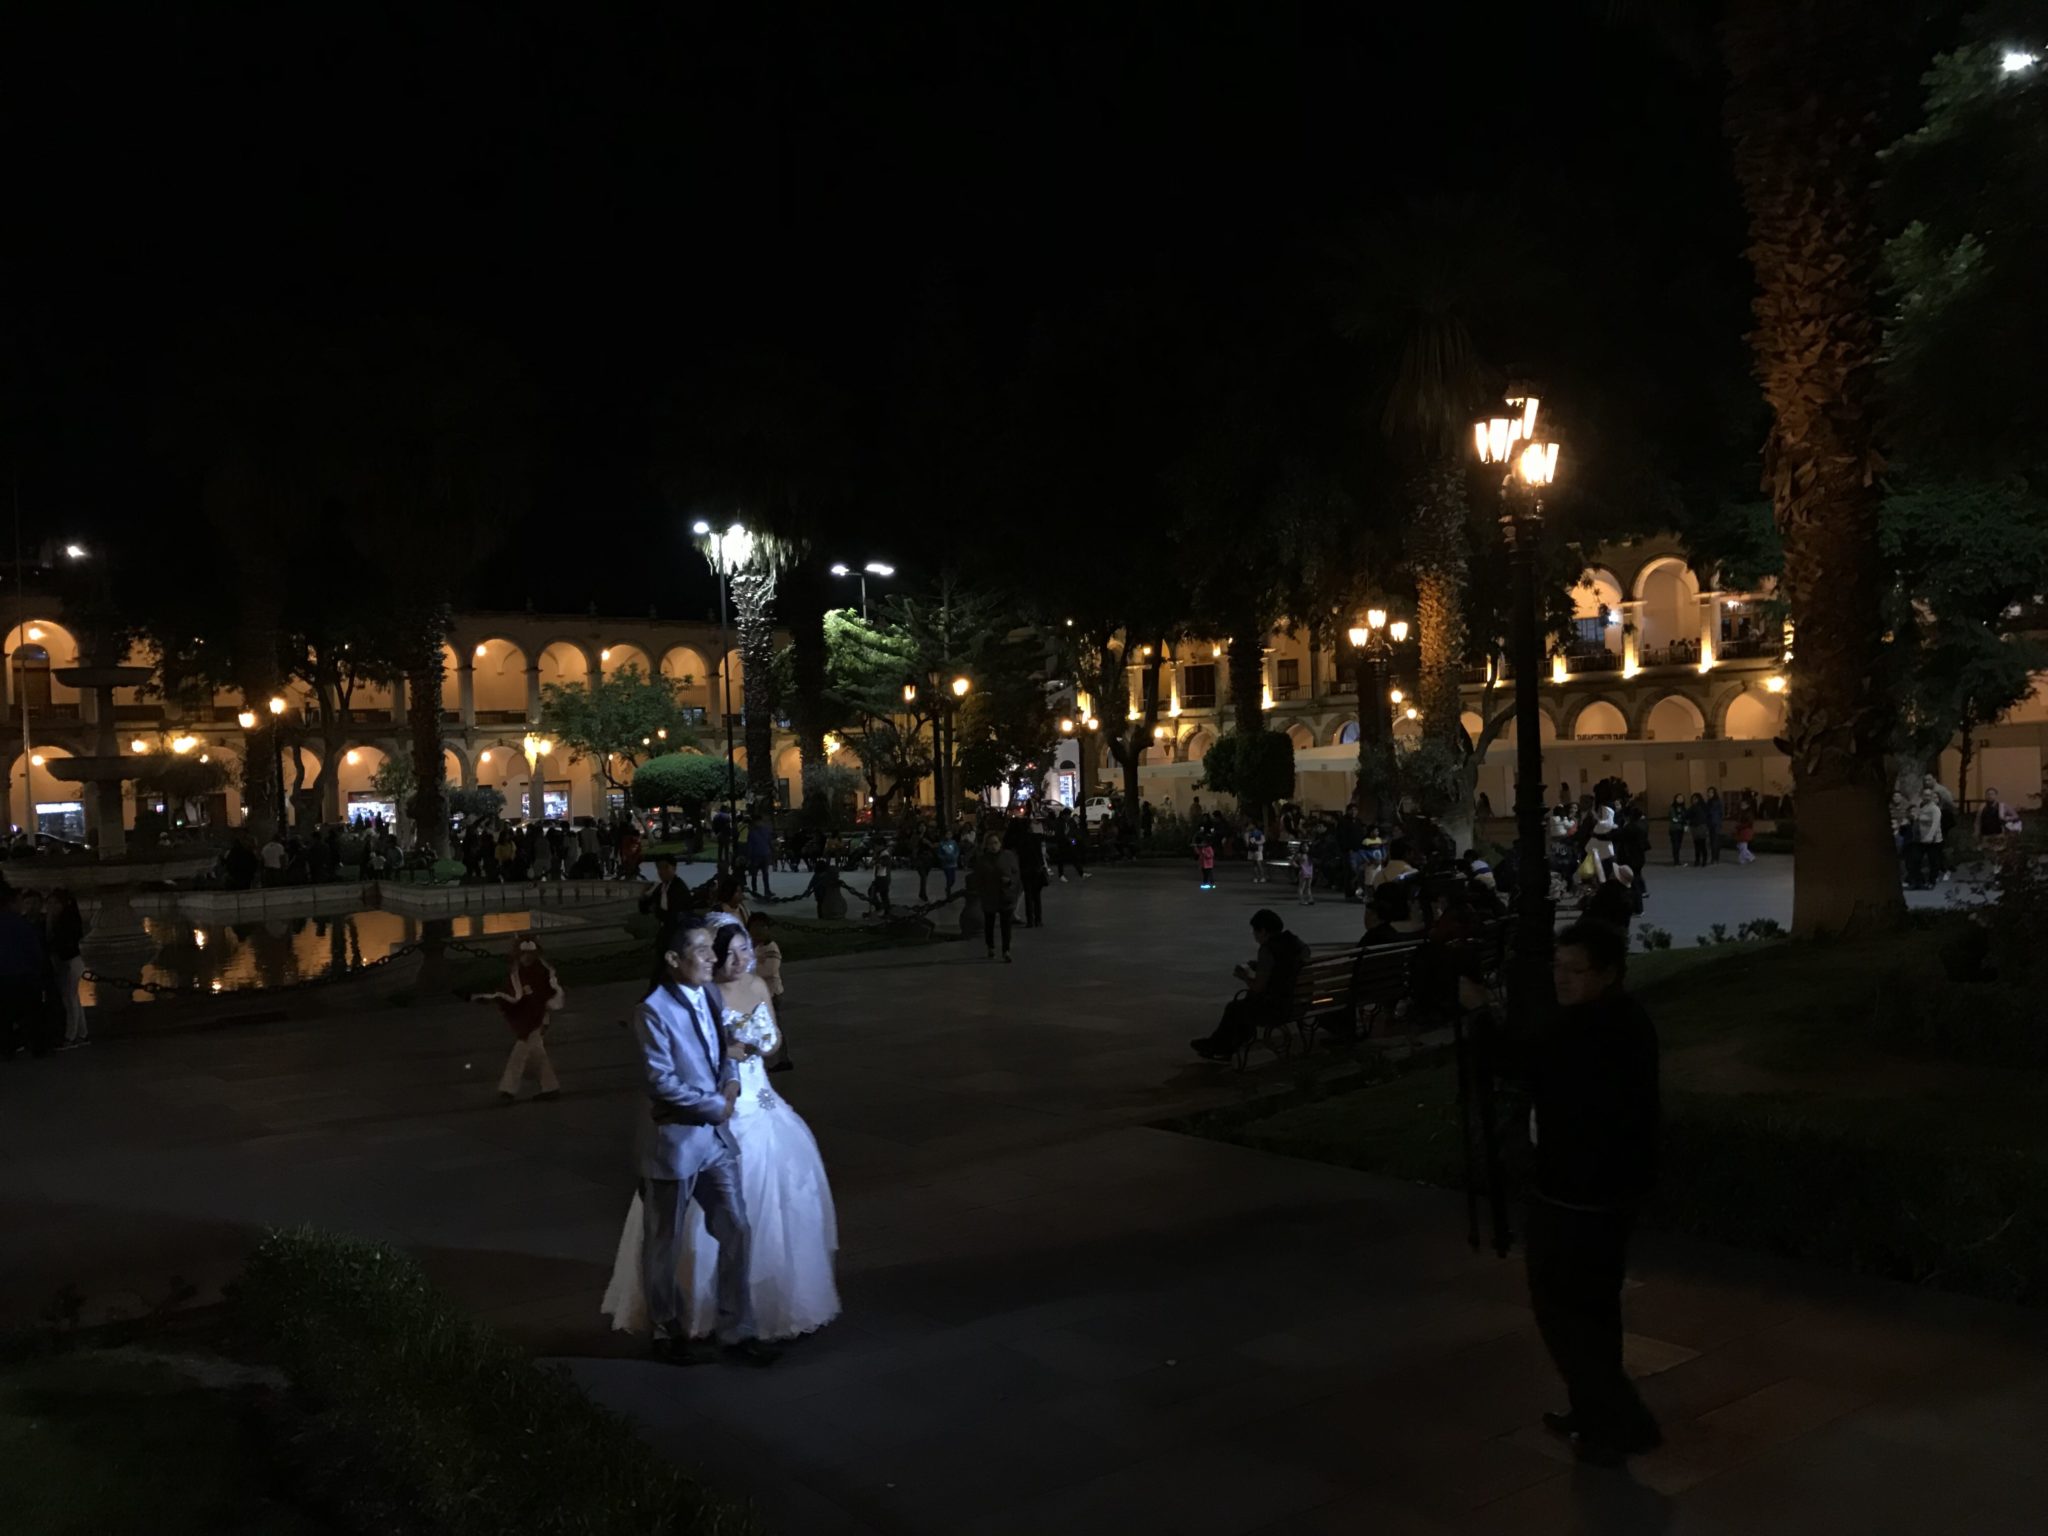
[1058,1318]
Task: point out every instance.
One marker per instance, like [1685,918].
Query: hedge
[470,1433]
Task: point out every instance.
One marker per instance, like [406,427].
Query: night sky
[632,206]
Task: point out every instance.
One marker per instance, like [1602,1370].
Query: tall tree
[1423,279]
[627,718]
[1808,80]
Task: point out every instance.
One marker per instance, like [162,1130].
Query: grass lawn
[1813,1107]
[107,1445]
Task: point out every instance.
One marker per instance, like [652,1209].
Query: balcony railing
[1602,660]
[1198,701]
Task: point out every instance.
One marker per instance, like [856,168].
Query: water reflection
[279,951]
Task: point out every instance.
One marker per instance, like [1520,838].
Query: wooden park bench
[1347,988]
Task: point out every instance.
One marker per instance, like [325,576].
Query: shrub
[684,778]
[476,1436]
[1654,938]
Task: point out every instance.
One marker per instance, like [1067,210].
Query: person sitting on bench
[1391,918]
[1268,992]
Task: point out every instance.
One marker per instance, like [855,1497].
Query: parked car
[1099,809]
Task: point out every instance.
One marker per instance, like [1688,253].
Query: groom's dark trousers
[665,1205]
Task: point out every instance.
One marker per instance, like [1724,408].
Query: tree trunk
[1806,81]
[1436,540]
[803,609]
[1248,678]
[753,591]
[423,720]
[333,742]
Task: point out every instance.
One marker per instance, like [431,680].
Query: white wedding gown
[789,1207]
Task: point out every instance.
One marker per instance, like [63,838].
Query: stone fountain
[117,943]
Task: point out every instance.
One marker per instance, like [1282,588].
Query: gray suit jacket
[684,1129]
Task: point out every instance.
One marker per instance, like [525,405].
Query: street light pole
[872,568]
[1526,467]
[1375,640]
[720,564]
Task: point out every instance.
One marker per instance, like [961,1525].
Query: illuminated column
[1631,638]
[1710,629]
[533,692]
[465,691]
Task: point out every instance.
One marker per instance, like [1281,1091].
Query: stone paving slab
[1057,1318]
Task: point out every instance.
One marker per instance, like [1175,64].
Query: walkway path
[1058,1319]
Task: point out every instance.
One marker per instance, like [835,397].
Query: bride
[789,1202]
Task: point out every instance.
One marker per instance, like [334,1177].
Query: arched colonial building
[1667,679]
[497,666]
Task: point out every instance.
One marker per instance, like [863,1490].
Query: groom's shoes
[683,1352]
[753,1352]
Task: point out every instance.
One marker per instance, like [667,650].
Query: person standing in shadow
[1594,1118]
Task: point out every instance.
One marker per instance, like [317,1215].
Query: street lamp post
[535,748]
[725,547]
[1374,640]
[874,568]
[1526,466]
[277,708]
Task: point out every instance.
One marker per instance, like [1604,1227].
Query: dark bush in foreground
[476,1436]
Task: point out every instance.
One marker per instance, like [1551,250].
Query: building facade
[1668,680]
[497,665]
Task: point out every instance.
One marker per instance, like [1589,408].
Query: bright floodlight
[246,719]
[700,528]
[1376,618]
[960,687]
[1359,634]
[74,551]
[2014,60]
[877,568]
[841,570]
[1398,631]
[276,705]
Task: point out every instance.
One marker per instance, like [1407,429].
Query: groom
[688,1153]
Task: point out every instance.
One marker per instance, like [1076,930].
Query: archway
[1600,721]
[35,649]
[621,654]
[1670,595]
[1197,746]
[1473,725]
[500,679]
[353,776]
[59,806]
[1301,736]
[1546,729]
[1754,717]
[562,662]
[1596,611]
[1347,735]
[451,684]
[1674,718]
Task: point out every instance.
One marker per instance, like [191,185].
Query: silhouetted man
[1594,1118]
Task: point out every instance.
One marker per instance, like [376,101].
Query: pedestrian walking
[1205,863]
[1696,824]
[1304,876]
[1255,851]
[1745,829]
[998,881]
[1715,812]
[1677,826]
[531,994]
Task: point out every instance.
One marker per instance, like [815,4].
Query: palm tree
[753,578]
[1428,275]
[1807,80]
